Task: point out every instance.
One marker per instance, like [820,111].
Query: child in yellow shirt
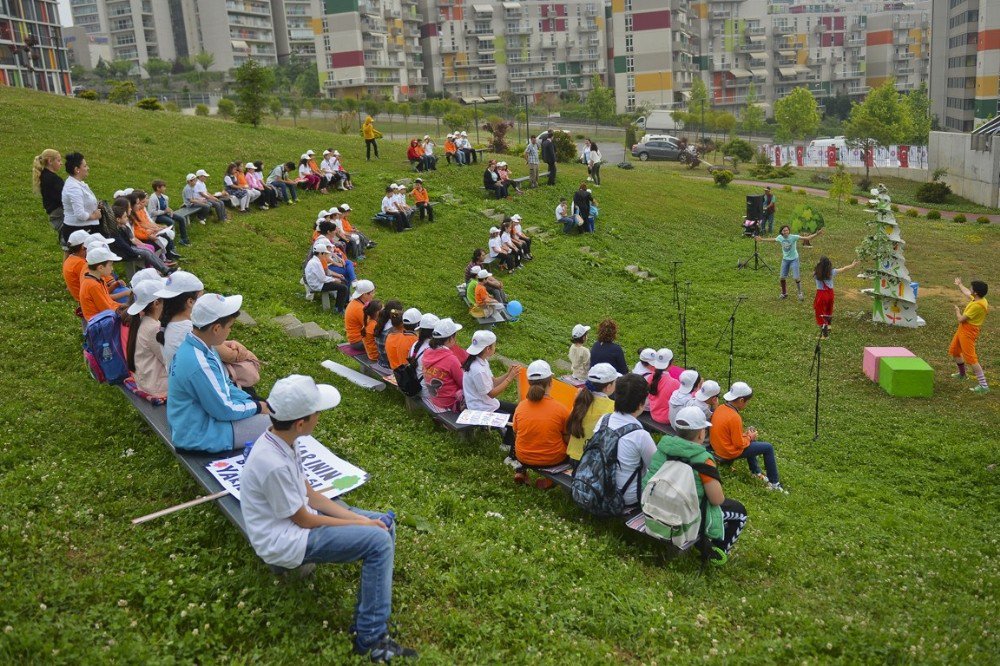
[970,321]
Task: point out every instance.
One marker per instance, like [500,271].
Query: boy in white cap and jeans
[707,397]
[217,202]
[205,409]
[193,199]
[320,280]
[292,526]
[730,442]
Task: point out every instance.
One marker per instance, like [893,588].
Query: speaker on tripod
[755,207]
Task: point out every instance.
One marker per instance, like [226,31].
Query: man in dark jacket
[549,156]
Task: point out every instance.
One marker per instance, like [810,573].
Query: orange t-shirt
[241,180]
[94,297]
[449,146]
[482,296]
[73,269]
[143,227]
[354,317]
[312,165]
[347,225]
[539,428]
[371,346]
[421,196]
[397,348]
[726,433]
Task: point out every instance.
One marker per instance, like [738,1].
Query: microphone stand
[684,322]
[732,336]
[673,273]
[816,362]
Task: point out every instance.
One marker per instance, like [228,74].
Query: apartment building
[32,54]
[371,47]
[296,25]
[965,72]
[479,48]
[86,49]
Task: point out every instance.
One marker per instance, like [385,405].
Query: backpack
[670,503]
[407,379]
[594,486]
[102,348]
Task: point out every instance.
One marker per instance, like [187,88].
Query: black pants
[269,197]
[508,433]
[734,517]
[341,293]
[421,206]
[497,293]
[500,190]
[526,246]
[471,156]
[552,172]
[369,143]
[508,260]
[401,220]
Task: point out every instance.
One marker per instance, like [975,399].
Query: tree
[880,120]
[841,185]
[308,80]
[205,59]
[120,69]
[101,69]
[122,92]
[274,106]
[797,115]
[149,104]
[253,85]
[721,122]
[308,106]
[753,115]
[227,108]
[157,67]
[498,129]
[405,109]
[600,102]
[739,150]
[918,108]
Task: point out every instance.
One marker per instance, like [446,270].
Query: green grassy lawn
[886,550]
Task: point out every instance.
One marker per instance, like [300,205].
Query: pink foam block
[873,354]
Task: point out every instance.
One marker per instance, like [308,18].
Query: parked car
[837,142]
[646,138]
[658,149]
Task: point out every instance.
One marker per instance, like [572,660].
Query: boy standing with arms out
[291,525]
[970,321]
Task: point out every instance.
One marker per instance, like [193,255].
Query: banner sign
[902,157]
[325,472]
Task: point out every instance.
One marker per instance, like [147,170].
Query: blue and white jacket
[202,401]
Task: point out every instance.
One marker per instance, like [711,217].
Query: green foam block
[906,377]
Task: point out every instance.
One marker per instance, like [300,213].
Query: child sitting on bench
[729,441]
[480,387]
[402,336]
[539,426]
[354,316]
[661,386]
[143,352]
[442,371]
[592,402]
[484,305]
[319,278]
[369,323]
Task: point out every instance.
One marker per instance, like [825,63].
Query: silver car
[657,149]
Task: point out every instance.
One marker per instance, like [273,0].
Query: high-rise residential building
[965,72]
[371,47]
[476,48]
[32,53]
[86,49]
[296,25]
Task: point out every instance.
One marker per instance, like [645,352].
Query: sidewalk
[815,191]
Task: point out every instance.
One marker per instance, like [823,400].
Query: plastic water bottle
[106,352]
[246,450]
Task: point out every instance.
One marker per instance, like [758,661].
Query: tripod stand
[758,261]
[676,295]
[732,337]
[816,362]
[683,315]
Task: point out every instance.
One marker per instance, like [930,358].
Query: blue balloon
[514,309]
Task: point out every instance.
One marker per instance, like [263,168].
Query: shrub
[933,215]
[786,188]
[172,106]
[565,147]
[762,166]
[497,128]
[960,219]
[982,219]
[344,122]
[122,92]
[852,201]
[201,110]
[806,220]
[580,137]
[457,119]
[227,108]
[819,178]
[894,208]
[865,184]
[933,192]
[784,171]
[87,94]
[912,212]
[149,104]
[739,150]
[722,177]
[800,191]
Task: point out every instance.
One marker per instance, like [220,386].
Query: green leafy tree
[841,185]
[120,69]
[721,122]
[308,107]
[739,150]
[307,80]
[294,109]
[157,67]
[405,109]
[122,92]
[600,102]
[797,115]
[101,69]
[205,60]
[253,87]
[227,108]
[149,104]
[918,106]
[753,116]
[274,106]
[881,120]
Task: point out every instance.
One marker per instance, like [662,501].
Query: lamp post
[475,108]
[527,121]
[703,122]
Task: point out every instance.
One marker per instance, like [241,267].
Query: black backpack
[407,379]
[594,486]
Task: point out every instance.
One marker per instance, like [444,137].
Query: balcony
[418,80]
[552,87]
[382,80]
[783,29]
[756,30]
[373,25]
[476,30]
[518,29]
[590,26]
[345,83]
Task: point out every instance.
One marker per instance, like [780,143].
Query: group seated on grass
[498,179]
[396,212]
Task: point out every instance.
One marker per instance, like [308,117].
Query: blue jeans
[790,264]
[767,224]
[347,271]
[376,549]
[569,224]
[770,464]
[287,192]
[588,224]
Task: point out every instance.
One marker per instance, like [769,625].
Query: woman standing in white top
[594,164]
[480,387]
[143,352]
[78,201]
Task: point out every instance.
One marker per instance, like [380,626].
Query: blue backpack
[595,487]
[102,348]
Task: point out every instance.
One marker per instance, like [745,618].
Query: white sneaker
[513,464]
[777,487]
[801,295]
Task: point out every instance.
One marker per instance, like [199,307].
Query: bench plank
[647,421]
[353,376]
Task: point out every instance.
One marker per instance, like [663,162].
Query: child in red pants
[823,303]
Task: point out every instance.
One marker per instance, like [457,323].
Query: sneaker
[385,650]
[980,389]
[761,476]
[265,207]
[201,221]
[959,376]
[300,572]
[184,241]
[801,295]
[718,557]
[777,487]
[510,462]
[544,484]
[782,297]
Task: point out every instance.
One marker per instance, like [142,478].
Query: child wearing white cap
[724,518]
[425,331]
[320,280]
[661,386]
[292,526]
[193,199]
[205,409]
[539,426]
[354,315]
[498,251]
[94,296]
[390,208]
[579,354]
[644,366]
[683,397]
[430,159]
[402,336]
[522,239]
[142,351]
[707,397]
[442,371]
[484,305]
[729,441]
[306,175]
[480,388]
[179,293]
[592,402]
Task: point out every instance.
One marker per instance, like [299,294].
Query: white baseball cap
[450,136]
[147,275]
[483,274]
[709,389]
[691,418]
[362,287]
[494,230]
[464,133]
[337,153]
[412,316]
[394,186]
[603,373]
[647,355]
[297,396]
[250,165]
[127,191]
[99,253]
[118,193]
[428,321]
[310,153]
[590,191]
[480,341]
[326,152]
[97,238]
[475,270]
[579,331]
[145,293]
[322,213]
[738,390]
[663,358]
[321,247]
[427,136]
[539,370]
[190,177]
[212,307]
[201,172]
[501,164]
[180,282]
[78,237]
[303,156]
[344,208]
[688,379]
[445,328]
[515,217]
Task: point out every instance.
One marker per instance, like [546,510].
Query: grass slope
[885,552]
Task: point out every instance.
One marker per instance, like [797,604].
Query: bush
[800,191]
[865,184]
[933,215]
[912,212]
[227,108]
[852,201]
[784,171]
[786,188]
[894,208]
[149,104]
[497,128]
[819,178]
[806,220]
[762,166]
[933,192]
[982,219]
[172,106]
[960,219]
[722,177]
[122,92]
[739,150]
[630,137]
[565,147]
[87,94]
[201,110]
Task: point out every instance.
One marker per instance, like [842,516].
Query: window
[629,63]
[629,46]
[630,100]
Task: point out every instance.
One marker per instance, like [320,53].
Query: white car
[659,137]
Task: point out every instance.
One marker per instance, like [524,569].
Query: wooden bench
[369,367]
[186,212]
[649,423]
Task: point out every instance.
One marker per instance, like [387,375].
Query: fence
[900,157]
